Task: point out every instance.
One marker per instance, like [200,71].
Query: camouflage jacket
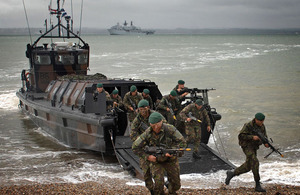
[149,99]
[163,105]
[140,124]
[118,100]
[246,135]
[168,137]
[179,93]
[134,99]
[198,114]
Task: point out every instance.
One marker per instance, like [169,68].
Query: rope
[27,22]
[112,142]
[221,143]
[215,141]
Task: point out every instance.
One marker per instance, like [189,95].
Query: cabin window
[82,58]
[64,59]
[42,59]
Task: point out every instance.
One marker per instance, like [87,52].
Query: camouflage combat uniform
[162,108]
[193,128]
[149,99]
[138,126]
[179,93]
[135,100]
[250,148]
[169,137]
[118,100]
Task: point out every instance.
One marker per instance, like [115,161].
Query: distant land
[229,31]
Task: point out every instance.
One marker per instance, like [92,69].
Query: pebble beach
[115,186]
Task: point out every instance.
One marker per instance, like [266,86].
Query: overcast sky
[162,14]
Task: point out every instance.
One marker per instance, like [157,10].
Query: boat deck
[210,160]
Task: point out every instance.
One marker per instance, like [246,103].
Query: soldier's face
[134,93]
[115,95]
[259,123]
[100,89]
[180,86]
[198,107]
[143,111]
[156,127]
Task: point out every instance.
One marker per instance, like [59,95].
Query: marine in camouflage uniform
[164,108]
[250,143]
[181,90]
[130,101]
[99,90]
[146,96]
[166,135]
[116,99]
[138,126]
[193,127]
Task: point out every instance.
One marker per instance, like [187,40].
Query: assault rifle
[144,126]
[171,110]
[133,105]
[193,118]
[161,151]
[265,140]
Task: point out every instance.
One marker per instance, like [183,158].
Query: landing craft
[58,95]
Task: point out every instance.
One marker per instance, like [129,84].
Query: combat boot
[258,187]
[230,175]
[196,155]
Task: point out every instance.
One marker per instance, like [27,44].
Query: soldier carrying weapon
[193,127]
[181,90]
[130,101]
[250,142]
[159,134]
[169,106]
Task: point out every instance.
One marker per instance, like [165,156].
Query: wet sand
[115,186]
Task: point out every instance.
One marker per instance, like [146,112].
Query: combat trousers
[145,166]
[251,163]
[158,169]
[193,134]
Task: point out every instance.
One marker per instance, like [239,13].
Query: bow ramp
[210,160]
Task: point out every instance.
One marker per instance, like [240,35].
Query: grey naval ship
[131,29]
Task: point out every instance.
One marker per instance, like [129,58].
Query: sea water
[251,73]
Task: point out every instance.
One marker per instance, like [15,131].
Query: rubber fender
[107,122]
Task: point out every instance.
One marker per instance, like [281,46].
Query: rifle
[265,140]
[144,126]
[161,151]
[171,110]
[133,105]
[193,118]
